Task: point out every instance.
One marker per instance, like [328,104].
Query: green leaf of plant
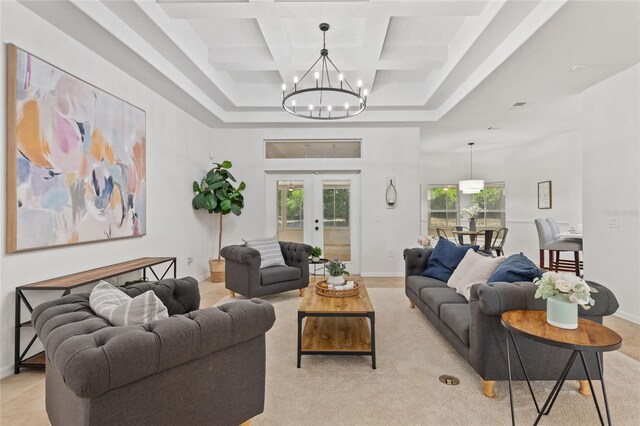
[199,201]
[242,186]
[230,176]
[221,194]
[225,205]
[211,201]
[196,186]
[213,179]
[226,164]
[235,209]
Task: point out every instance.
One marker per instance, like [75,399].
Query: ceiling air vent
[519,104]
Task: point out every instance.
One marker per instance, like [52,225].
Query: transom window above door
[313,148]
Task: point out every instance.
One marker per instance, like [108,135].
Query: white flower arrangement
[425,240]
[576,288]
[472,211]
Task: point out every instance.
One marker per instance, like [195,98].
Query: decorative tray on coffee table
[323,289]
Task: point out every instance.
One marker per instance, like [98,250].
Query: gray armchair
[244,276]
[202,367]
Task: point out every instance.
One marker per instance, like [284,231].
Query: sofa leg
[411,304]
[487,388]
[232,293]
[301,292]
[247,423]
[584,387]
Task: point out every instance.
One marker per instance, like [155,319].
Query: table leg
[300,317]
[556,388]
[595,400]
[16,367]
[604,391]
[506,340]
[372,318]
[524,370]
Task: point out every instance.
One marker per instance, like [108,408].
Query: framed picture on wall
[544,194]
[75,159]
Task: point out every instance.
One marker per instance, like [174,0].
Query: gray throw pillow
[269,248]
[119,308]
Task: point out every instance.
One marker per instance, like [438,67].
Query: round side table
[588,337]
[318,266]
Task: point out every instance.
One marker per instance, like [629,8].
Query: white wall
[611,186]
[558,159]
[177,147]
[385,152]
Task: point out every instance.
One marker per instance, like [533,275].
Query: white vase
[561,312]
[315,258]
[335,281]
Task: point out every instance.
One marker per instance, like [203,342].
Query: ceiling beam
[292,10]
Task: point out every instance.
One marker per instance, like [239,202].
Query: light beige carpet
[404,389]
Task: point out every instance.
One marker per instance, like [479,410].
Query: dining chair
[498,242]
[554,246]
[441,234]
[459,237]
[555,228]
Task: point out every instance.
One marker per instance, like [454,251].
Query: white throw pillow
[269,248]
[465,265]
[478,274]
[119,308]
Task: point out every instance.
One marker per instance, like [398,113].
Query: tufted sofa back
[178,295]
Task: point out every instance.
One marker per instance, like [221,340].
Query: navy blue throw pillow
[516,267]
[445,259]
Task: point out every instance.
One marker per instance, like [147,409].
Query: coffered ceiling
[224,61]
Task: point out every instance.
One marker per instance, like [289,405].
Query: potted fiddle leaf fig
[217,194]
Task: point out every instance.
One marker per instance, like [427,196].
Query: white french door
[319,209]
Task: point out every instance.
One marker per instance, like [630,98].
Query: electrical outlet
[189,260]
[613,222]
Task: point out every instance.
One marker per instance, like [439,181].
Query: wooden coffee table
[337,325]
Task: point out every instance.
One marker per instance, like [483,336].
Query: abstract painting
[75,159]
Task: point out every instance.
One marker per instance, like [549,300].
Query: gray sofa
[197,367]
[473,327]
[244,276]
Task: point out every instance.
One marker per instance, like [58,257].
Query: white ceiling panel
[271,78]
[420,30]
[229,32]
[403,77]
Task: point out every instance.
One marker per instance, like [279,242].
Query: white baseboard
[6,371]
[629,317]
[382,274]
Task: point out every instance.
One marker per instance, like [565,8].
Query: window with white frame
[492,201]
[443,207]
[290,205]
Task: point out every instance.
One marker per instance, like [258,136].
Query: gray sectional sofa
[197,367]
[473,327]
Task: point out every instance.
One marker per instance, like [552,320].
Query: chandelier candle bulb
[359,84]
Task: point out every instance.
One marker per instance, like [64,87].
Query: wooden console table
[68,282]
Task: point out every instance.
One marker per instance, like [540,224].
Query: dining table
[473,235]
[569,235]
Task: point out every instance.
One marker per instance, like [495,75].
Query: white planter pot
[315,258]
[336,281]
[561,312]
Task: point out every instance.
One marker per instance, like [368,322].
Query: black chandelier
[320,99]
